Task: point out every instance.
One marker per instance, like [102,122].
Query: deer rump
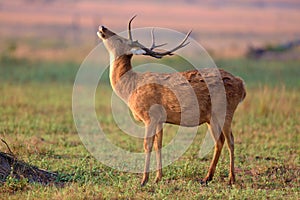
[180,95]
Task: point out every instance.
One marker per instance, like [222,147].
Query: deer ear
[137,51]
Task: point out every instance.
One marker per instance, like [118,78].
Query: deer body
[141,97]
[153,99]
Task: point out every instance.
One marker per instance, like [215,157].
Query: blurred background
[65,29]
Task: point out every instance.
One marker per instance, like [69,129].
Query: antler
[153,46]
[155,54]
[129,28]
[149,51]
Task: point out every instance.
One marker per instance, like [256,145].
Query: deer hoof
[205,180]
[157,179]
[231,180]
[144,182]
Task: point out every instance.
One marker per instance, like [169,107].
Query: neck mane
[122,78]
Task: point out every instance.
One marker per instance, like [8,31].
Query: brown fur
[140,96]
[157,98]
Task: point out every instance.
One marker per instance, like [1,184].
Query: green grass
[36,121]
[264,72]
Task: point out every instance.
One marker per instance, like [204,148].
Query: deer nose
[102,28]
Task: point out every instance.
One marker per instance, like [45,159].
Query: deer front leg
[148,143]
[157,147]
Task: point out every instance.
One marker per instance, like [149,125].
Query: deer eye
[102,35]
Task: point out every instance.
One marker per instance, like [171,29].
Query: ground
[36,121]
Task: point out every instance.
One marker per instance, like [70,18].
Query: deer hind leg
[157,147]
[230,144]
[219,139]
[148,143]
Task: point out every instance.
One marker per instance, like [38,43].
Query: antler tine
[129,28]
[181,45]
[153,46]
[155,54]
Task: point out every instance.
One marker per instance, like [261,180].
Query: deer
[154,104]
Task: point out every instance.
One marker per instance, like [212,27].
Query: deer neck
[122,78]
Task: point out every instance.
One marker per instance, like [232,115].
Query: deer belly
[188,119]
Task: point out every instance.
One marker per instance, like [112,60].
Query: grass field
[36,121]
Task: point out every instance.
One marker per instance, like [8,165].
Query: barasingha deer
[152,98]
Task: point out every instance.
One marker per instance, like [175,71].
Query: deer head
[118,45]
